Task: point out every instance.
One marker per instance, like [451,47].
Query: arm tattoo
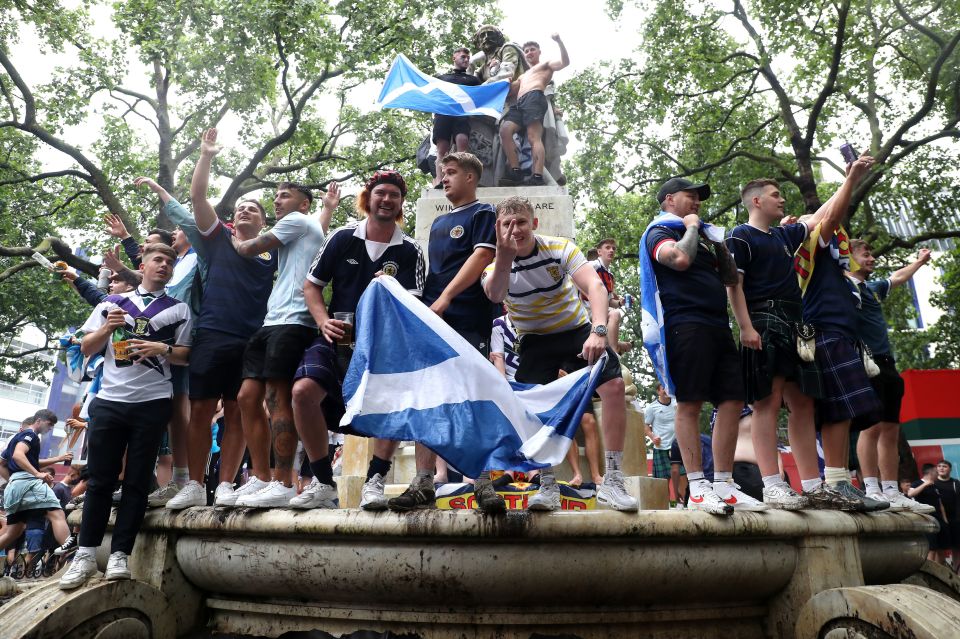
[728,267]
[687,245]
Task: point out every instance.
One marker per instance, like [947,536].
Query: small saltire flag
[407,87]
[412,377]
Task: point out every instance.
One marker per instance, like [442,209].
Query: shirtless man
[527,114]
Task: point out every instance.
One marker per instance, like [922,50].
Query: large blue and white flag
[412,377]
[651,310]
[407,87]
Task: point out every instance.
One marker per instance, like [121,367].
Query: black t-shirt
[829,302]
[766,261]
[62,491]
[461,77]
[929,496]
[344,260]
[949,490]
[30,438]
[696,295]
[454,237]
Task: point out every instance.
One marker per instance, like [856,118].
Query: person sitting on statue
[528,113]
[348,261]
[447,128]
[538,278]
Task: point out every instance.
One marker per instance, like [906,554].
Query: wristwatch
[600,329]
[169,350]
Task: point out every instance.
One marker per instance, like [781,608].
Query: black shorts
[274,352]
[889,387]
[748,477]
[216,365]
[447,127]
[543,356]
[704,363]
[24,516]
[531,107]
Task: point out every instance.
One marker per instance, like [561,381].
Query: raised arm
[153,186]
[256,246]
[497,283]
[331,199]
[564,61]
[203,213]
[902,276]
[830,215]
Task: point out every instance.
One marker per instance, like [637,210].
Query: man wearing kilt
[767,305]
[830,305]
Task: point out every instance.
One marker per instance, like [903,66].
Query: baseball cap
[674,185]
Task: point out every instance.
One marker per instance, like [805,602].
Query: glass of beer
[346,318]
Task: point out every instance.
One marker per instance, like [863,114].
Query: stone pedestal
[552,206]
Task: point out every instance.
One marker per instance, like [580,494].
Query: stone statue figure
[498,59]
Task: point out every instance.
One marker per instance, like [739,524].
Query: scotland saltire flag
[651,311]
[407,87]
[412,377]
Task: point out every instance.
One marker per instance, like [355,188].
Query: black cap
[674,185]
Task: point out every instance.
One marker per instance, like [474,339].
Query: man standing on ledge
[537,277]
[527,114]
[700,353]
[462,243]
[447,128]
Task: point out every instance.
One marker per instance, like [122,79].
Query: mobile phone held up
[849,153]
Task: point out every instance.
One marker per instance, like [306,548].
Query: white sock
[872,485]
[772,480]
[613,459]
[890,487]
[834,476]
[721,477]
[87,551]
[181,476]
[810,485]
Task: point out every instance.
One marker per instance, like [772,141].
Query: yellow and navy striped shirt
[542,297]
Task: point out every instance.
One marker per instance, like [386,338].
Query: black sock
[379,467]
[322,471]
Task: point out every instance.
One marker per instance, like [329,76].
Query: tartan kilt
[848,391]
[661,463]
[778,356]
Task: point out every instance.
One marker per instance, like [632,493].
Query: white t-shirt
[302,237]
[661,419]
[150,379]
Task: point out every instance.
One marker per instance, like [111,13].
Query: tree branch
[830,86]
[910,242]
[46,176]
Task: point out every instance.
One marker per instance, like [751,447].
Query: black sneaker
[513,177]
[488,501]
[413,498]
[536,180]
[871,505]
[824,497]
[67,546]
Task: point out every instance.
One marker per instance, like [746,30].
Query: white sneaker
[710,502]
[316,495]
[784,497]
[274,495]
[899,501]
[613,493]
[731,494]
[117,567]
[224,495]
[371,495]
[253,485]
[162,495]
[81,568]
[547,498]
[192,494]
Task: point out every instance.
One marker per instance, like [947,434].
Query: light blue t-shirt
[660,418]
[301,236]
